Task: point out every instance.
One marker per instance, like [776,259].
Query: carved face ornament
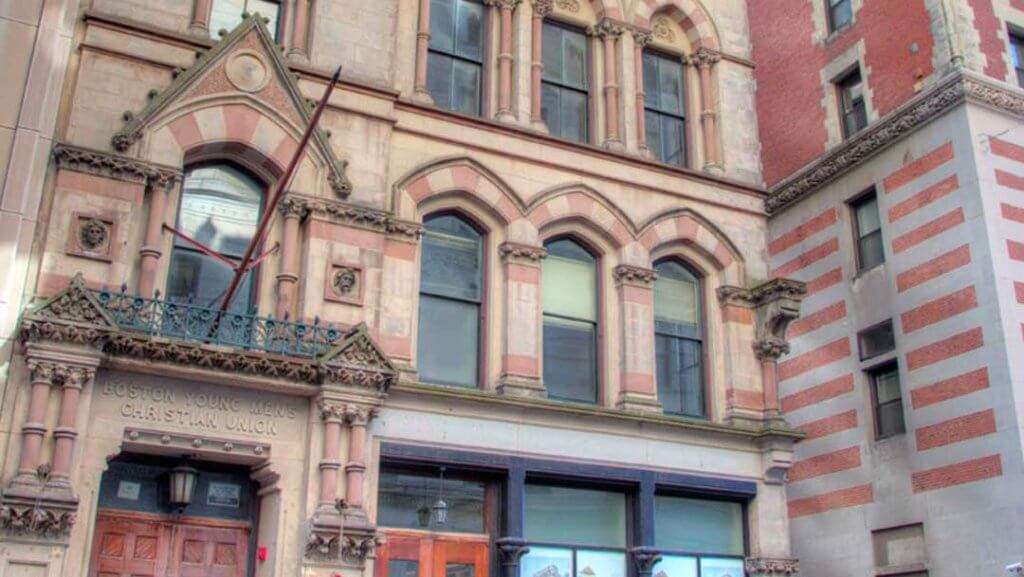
[344,281]
[92,235]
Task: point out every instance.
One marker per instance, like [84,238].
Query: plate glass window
[678,340]
[888,401]
[456,55]
[220,208]
[227,14]
[664,107]
[565,85]
[574,533]
[840,13]
[868,226]
[569,278]
[698,534]
[406,499]
[451,276]
[1017,55]
[852,105]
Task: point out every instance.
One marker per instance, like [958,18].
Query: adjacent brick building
[898,203]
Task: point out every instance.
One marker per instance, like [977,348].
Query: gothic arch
[691,15]
[607,9]
[582,203]
[691,229]
[456,175]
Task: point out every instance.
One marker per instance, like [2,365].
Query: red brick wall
[791,115]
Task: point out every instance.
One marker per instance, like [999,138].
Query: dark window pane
[575,516]
[570,363]
[652,130]
[670,86]
[872,252]
[840,13]
[673,148]
[574,68]
[466,88]
[574,115]
[887,386]
[442,25]
[547,562]
[470,37]
[269,10]
[876,340]
[551,48]
[680,368]
[677,566]
[439,79]
[853,108]
[868,220]
[868,227]
[651,96]
[550,108]
[459,570]
[890,419]
[447,351]
[698,525]
[405,500]
[403,568]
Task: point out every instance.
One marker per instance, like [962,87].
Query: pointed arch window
[451,280]
[679,339]
[569,279]
[220,207]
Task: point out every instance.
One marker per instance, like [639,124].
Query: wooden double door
[421,554]
[130,544]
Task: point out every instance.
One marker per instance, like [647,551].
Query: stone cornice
[958,87]
[351,215]
[110,165]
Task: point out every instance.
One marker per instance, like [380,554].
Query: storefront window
[574,533]
[698,534]
[407,500]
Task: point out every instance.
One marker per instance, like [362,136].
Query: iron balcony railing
[191,322]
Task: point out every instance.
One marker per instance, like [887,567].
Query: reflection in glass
[546,562]
[459,570]
[675,566]
[455,57]
[679,336]
[403,568]
[600,563]
[664,108]
[226,14]
[721,567]
[569,291]
[575,516]
[565,90]
[698,525]
[405,500]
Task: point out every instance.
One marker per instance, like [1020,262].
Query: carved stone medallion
[247,71]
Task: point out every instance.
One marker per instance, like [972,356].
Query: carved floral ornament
[36,519]
[958,87]
[572,6]
[98,163]
[339,212]
[634,274]
[662,28]
[764,567]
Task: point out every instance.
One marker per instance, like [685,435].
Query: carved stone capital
[358,544]
[293,207]
[705,57]
[511,550]
[360,416]
[641,37]
[503,4]
[512,251]
[607,29]
[771,348]
[541,8]
[332,411]
[766,567]
[645,558]
[41,371]
[625,273]
[408,230]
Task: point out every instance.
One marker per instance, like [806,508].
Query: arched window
[451,280]
[679,339]
[569,278]
[220,207]
[455,56]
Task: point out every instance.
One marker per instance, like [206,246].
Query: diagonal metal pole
[282,184]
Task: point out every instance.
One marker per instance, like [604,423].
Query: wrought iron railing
[190,322]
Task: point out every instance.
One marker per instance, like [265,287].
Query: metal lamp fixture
[183,484]
[440,508]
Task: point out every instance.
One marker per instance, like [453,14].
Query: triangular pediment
[358,361]
[75,305]
[247,63]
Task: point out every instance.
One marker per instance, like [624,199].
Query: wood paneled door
[424,554]
[130,544]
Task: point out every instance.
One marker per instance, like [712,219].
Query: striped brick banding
[1007,149]
[806,230]
[923,198]
[825,464]
[690,229]
[956,430]
[957,474]
[843,498]
[829,425]
[918,168]
[1018,289]
[808,258]
[950,388]
[933,228]
[577,204]
[1015,250]
[939,309]
[818,393]
[1009,180]
[1011,212]
[817,319]
[934,268]
[826,280]
[945,349]
[819,357]
[690,16]
[465,176]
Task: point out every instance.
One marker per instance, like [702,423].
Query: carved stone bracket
[522,253]
[765,567]
[37,518]
[358,545]
[109,165]
[635,275]
[777,303]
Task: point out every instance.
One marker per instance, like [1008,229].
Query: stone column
[73,380]
[705,59]
[638,390]
[151,251]
[293,211]
[768,352]
[520,361]
[505,59]
[420,92]
[330,462]
[641,39]
[300,32]
[541,8]
[358,418]
[42,375]
[200,18]
[609,33]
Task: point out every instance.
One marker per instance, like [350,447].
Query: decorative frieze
[39,519]
[766,567]
[109,165]
[959,87]
[705,57]
[343,213]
